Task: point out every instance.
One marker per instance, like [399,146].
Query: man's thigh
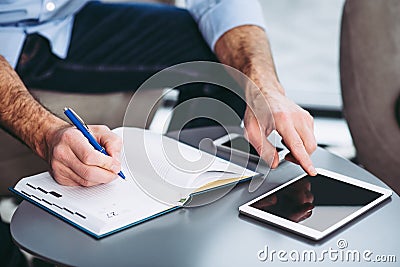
[115,47]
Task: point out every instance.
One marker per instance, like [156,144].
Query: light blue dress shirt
[53,19]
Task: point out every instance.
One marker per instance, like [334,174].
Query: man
[74,45]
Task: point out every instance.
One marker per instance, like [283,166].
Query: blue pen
[81,125]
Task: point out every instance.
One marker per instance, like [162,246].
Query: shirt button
[50,6]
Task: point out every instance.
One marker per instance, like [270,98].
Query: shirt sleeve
[215,17]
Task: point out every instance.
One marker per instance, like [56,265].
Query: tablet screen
[317,202]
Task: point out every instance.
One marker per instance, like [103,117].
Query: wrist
[49,130]
[267,84]
[264,85]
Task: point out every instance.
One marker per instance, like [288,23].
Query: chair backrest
[370,80]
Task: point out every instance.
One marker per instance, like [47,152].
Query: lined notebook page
[101,208]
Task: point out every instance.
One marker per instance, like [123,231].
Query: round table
[214,234]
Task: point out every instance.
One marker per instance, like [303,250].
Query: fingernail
[115,169]
[313,170]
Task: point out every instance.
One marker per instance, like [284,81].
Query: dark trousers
[116,47]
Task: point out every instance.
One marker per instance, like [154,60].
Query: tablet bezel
[305,230]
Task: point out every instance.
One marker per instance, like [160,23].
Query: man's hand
[293,123]
[246,48]
[73,161]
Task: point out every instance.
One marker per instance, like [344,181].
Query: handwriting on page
[112,214]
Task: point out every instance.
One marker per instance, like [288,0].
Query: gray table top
[214,234]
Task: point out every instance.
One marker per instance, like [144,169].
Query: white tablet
[315,206]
